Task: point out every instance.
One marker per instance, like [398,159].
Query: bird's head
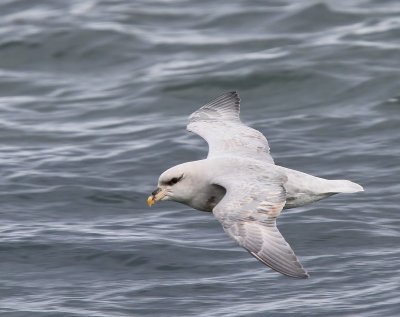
[174,184]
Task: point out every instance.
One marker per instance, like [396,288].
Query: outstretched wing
[218,122]
[248,214]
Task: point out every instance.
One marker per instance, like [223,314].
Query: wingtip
[303,275]
[306,275]
[231,94]
[300,274]
[224,107]
[235,94]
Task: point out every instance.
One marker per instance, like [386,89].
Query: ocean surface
[94,100]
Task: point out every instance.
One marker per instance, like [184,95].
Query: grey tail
[345,186]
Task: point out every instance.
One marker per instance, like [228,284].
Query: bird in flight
[241,185]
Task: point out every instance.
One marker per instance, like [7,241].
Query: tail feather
[345,186]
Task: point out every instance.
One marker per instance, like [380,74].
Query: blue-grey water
[94,98]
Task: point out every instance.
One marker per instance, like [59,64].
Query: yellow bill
[151,200]
[155,196]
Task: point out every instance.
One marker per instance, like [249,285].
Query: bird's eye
[174,180]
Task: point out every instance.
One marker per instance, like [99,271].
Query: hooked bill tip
[150,201]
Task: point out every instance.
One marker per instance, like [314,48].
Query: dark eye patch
[174,180]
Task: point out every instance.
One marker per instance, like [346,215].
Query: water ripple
[94,99]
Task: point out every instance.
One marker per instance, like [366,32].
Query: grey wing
[248,214]
[218,122]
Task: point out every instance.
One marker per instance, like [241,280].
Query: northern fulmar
[241,185]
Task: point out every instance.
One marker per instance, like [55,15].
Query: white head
[176,183]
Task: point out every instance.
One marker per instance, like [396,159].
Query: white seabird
[240,184]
